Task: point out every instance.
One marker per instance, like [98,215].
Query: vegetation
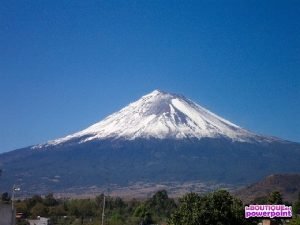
[215,208]
[89,211]
[218,207]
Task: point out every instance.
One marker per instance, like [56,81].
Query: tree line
[219,207]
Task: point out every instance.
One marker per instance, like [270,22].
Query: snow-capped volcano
[162,115]
[160,137]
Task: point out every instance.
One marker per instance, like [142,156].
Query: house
[39,221]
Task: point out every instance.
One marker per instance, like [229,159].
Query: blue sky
[67,64]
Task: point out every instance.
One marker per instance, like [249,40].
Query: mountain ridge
[287,184]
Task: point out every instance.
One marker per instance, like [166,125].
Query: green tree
[119,203]
[144,215]
[160,204]
[72,209]
[188,212]
[296,206]
[294,221]
[218,208]
[58,210]
[50,200]
[81,208]
[31,202]
[21,207]
[39,210]
[275,198]
[86,208]
[116,219]
[157,209]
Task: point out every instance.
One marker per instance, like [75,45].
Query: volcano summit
[161,137]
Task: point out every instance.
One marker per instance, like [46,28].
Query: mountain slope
[287,184]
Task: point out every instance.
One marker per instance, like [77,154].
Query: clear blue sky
[67,64]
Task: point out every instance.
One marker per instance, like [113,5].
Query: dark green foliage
[295,221]
[39,210]
[218,208]
[57,211]
[89,211]
[160,204]
[50,200]
[144,215]
[275,198]
[116,219]
[81,208]
[34,200]
[22,207]
[296,206]
[189,210]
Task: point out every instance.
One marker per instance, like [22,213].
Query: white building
[39,221]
